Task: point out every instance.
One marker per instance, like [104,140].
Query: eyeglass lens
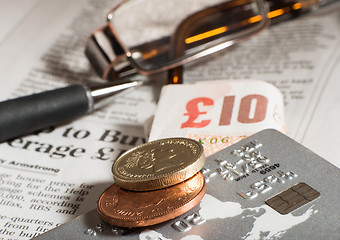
[160,33]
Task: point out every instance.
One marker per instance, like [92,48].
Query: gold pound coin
[158,164]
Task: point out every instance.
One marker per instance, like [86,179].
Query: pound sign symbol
[193,113]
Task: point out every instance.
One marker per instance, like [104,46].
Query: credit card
[266,186]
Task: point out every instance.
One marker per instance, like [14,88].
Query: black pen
[27,114]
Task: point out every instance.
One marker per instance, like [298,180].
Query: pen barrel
[27,114]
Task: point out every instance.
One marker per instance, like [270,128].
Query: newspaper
[41,48]
[50,177]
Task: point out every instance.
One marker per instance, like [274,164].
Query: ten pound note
[217,113]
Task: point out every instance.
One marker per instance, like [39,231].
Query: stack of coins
[154,182]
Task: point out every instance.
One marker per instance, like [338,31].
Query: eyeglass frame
[116,54]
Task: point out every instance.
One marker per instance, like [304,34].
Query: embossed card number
[250,161]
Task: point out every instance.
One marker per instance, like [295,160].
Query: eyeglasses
[152,36]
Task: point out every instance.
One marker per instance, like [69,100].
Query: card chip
[292,198]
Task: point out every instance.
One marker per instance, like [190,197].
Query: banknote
[217,113]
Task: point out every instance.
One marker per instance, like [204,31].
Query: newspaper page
[52,176]
[8,20]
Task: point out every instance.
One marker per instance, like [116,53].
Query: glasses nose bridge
[197,23]
[184,33]
[185,29]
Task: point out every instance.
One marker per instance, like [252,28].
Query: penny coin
[158,164]
[125,208]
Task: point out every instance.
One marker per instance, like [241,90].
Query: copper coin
[158,164]
[124,208]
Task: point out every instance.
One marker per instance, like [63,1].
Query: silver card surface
[264,187]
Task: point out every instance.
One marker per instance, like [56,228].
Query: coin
[158,164]
[125,208]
